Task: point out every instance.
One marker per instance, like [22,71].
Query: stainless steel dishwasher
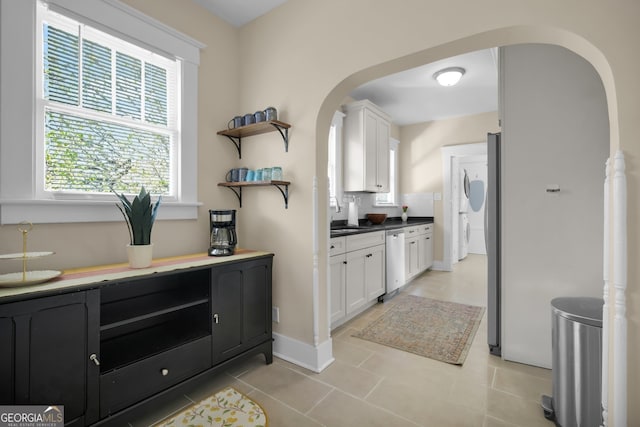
[394,249]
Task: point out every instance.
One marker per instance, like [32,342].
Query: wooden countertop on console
[82,278]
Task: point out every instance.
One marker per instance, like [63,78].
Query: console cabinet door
[51,340]
[7,353]
[241,307]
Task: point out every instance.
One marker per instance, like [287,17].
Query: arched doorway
[505,36]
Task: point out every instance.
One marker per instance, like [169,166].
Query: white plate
[27,255]
[31,278]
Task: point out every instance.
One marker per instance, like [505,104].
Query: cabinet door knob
[164,372]
[344,262]
[94,358]
[216,319]
[333,247]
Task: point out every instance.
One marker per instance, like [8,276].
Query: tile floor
[373,385]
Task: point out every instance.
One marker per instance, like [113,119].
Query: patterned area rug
[436,329]
[226,408]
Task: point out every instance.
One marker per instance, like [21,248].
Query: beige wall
[295,60]
[421,157]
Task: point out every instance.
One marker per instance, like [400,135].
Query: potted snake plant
[139,214]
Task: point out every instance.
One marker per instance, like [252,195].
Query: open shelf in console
[167,332]
[146,316]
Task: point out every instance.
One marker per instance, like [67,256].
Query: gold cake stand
[26,277]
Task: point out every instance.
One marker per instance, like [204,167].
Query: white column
[316,265]
[605,293]
[620,286]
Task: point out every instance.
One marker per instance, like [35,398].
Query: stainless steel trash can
[576,362]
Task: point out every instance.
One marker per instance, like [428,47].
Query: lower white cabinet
[375,272]
[357,274]
[425,251]
[418,250]
[356,286]
[338,279]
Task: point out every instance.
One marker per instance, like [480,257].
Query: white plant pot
[140,256]
[404,217]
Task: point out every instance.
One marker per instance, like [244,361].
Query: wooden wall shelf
[235,135]
[237,187]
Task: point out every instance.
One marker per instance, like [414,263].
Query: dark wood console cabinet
[106,350]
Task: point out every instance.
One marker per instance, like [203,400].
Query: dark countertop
[364,226]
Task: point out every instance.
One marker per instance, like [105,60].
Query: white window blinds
[109,112]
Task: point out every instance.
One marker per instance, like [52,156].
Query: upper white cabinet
[366,148]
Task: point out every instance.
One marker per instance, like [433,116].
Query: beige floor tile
[469,393]
[521,367]
[524,385]
[412,371]
[350,353]
[351,379]
[279,414]
[494,422]
[339,409]
[516,410]
[287,385]
[424,404]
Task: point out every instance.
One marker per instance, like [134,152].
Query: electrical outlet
[275,314]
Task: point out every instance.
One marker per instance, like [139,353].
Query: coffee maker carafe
[223,232]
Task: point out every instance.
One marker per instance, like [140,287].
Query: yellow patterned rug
[226,408]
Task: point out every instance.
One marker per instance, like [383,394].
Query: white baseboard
[302,354]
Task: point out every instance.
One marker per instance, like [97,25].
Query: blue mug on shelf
[276,173]
[251,175]
[242,174]
[233,175]
[258,176]
[249,119]
[236,122]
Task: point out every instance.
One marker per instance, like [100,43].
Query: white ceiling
[239,12]
[412,96]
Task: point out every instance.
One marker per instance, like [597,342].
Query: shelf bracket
[284,192]
[284,132]
[237,141]
[238,192]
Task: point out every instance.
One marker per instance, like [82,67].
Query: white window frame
[19,199]
[335,145]
[391,198]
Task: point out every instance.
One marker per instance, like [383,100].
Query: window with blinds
[109,112]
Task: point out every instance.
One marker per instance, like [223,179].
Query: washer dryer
[465,190]
[464,229]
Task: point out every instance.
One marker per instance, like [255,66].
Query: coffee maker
[223,232]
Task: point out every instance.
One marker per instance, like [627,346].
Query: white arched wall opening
[614,370]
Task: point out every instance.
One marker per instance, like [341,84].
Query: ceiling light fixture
[449,76]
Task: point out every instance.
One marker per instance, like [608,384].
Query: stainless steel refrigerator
[492,241]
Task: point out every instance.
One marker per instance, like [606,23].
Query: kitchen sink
[348,229]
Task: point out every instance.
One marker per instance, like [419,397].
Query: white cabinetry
[425,247]
[418,250]
[366,148]
[357,274]
[338,278]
